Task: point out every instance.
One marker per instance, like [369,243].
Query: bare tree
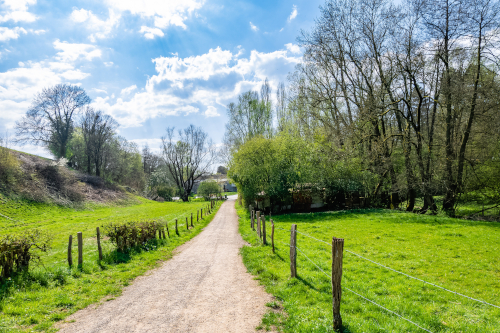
[188,158]
[461,30]
[97,129]
[50,120]
[250,117]
[150,161]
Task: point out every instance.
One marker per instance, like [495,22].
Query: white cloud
[155,145]
[128,90]
[204,83]
[151,33]
[293,14]
[20,5]
[211,111]
[108,63]
[17,11]
[101,28]
[71,52]
[293,48]
[195,67]
[99,91]
[14,33]
[254,27]
[37,32]
[164,13]
[19,85]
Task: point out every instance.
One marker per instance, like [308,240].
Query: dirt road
[204,288]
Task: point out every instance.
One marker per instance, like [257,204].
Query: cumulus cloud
[293,14]
[17,11]
[19,85]
[128,90]
[70,52]
[254,27]
[14,33]
[151,33]
[211,111]
[101,28]
[293,48]
[198,84]
[164,13]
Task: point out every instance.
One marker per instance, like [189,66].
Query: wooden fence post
[201,214]
[168,232]
[337,255]
[264,241]
[197,216]
[187,224]
[163,232]
[70,256]
[80,248]
[293,251]
[272,233]
[258,224]
[252,216]
[99,248]
[176,228]
[192,220]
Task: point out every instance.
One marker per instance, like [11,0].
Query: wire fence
[381,265]
[402,273]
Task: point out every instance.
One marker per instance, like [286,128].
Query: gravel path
[204,288]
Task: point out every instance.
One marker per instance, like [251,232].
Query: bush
[131,234]
[165,192]
[209,188]
[17,251]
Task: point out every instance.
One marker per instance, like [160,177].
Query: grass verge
[457,254]
[50,292]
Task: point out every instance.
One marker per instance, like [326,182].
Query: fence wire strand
[386,309]
[409,276]
[366,299]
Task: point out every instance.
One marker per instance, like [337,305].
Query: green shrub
[132,234]
[166,192]
[18,251]
[209,188]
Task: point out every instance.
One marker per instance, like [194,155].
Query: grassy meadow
[51,291]
[460,255]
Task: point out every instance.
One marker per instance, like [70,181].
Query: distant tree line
[62,120]
[401,101]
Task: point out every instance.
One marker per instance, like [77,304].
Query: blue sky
[150,64]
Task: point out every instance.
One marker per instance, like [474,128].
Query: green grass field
[460,255]
[51,291]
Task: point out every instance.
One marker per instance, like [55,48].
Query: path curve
[204,288]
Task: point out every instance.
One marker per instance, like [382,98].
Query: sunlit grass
[50,292]
[457,254]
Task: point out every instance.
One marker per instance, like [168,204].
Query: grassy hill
[38,179]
